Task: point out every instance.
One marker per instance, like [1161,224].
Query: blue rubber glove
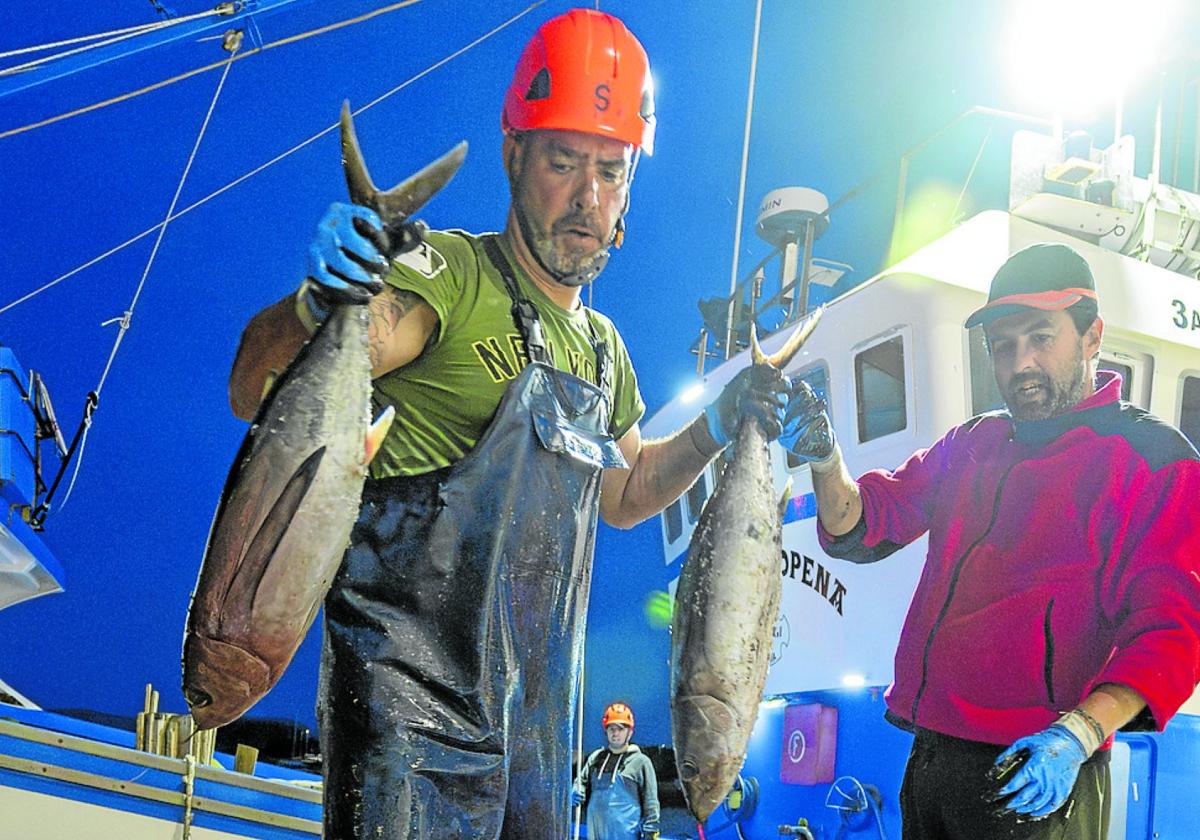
[807,432]
[345,263]
[577,797]
[758,391]
[1049,765]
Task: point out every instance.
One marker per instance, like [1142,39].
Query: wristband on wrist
[1084,727]
[1095,724]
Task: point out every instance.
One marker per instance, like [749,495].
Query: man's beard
[1058,395]
[568,269]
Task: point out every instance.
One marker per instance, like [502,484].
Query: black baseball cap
[1047,276]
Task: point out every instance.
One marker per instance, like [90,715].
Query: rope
[128,31]
[37,62]
[127,317]
[189,793]
[162,228]
[188,74]
[40,511]
[141,28]
[332,26]
[132,94]
[270,162]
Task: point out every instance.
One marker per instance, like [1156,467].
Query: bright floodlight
[1073,56]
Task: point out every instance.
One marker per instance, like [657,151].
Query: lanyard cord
[525,316]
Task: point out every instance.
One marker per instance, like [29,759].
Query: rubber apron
[614,806]
[454,627]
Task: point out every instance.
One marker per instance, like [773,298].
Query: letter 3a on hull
[726,606]
[293,492]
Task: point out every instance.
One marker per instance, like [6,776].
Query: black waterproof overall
[454,628]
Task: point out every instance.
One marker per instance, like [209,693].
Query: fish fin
[780,358]
[239,598]
[377,432]
[399,203]
[785,499]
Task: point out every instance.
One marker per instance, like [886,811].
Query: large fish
[726,606]
[294,490]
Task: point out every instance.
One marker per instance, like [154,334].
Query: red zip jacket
[1063,553]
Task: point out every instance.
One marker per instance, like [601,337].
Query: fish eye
[197,699]
[688,770]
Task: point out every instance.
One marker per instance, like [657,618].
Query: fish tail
[780,358]
[396,205]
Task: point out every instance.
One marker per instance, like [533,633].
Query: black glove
[759,391]
[807,432]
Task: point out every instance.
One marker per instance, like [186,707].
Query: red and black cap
[1047,276]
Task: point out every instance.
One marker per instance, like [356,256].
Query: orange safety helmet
[583,71]
[617,713]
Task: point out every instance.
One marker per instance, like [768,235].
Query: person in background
[1060,599]
[617,784]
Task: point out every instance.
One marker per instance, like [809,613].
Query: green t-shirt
[446,397]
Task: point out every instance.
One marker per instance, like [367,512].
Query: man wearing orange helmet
[453,628]
[617,784]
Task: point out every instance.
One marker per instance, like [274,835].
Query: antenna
[791,217]
[737,230]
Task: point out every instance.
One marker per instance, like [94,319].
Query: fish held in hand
[293,492]
[726,606]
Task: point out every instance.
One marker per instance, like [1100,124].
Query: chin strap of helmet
[618,238]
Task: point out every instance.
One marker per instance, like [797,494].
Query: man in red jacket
[1061,594]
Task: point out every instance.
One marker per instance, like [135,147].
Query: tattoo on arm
[386,310]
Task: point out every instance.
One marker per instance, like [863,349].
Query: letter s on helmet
[618,713]
[583,71]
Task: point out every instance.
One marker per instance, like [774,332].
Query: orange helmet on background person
[617,713]
[583,71]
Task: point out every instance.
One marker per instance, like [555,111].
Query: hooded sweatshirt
[621,793]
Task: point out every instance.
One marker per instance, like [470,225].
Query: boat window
[1189,410]
[879,389]
[985,396]
[1136,368]
[673,520]
[1126,372]
[817,379]
[696,496]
